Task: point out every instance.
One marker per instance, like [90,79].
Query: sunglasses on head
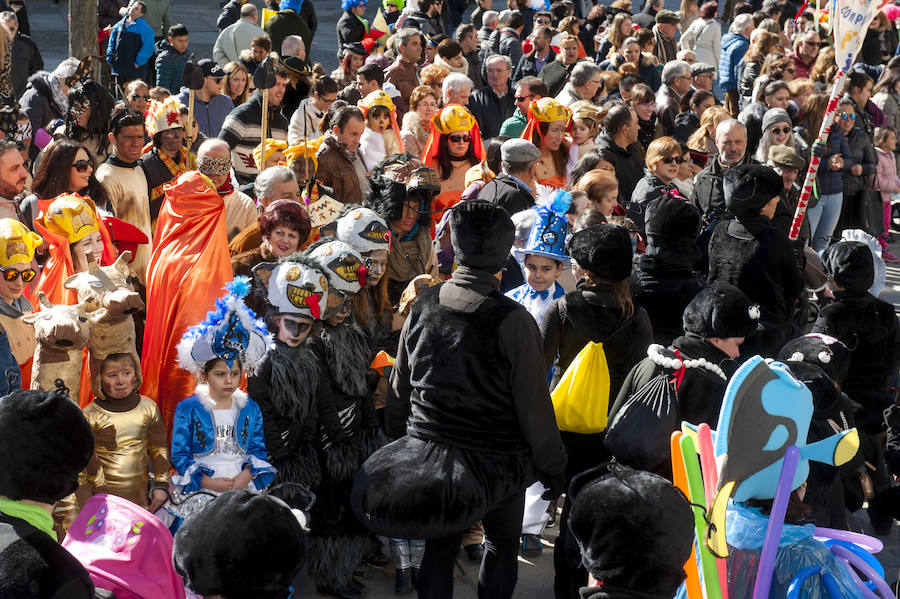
[781,130]
[671,159]
[81,165]
[845,116]
[11,274]
[461,138]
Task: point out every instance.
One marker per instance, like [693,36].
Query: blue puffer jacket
[827,180]
[734,46]
[169,66]
[129,45]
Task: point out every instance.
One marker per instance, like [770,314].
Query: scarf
[33,514]
[59,96]
[226,188]
[363,21]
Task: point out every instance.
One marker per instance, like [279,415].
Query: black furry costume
[347,433]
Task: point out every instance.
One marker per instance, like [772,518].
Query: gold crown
[17,242]
[453,118]
[548,110]
[71,217]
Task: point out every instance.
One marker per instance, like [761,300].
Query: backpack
[125,549]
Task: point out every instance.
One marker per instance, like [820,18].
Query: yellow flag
[267,14]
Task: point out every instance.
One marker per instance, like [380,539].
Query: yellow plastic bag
[581,398]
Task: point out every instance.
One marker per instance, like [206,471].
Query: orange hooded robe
[188,270]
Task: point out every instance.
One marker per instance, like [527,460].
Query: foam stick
[710,481]
[776,523]
[679,477]
[695,484]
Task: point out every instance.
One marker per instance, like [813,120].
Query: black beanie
[634,528]
[823,351]
[482,235]
[45,441]
[850,264]
[604,250]
[240,545]
[749,187]
[673,224]
[720,310]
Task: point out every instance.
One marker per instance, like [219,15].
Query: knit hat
[749,187]
[17,243]
[604,250]
[240,545]
[45,442]
[673,223]
[163,116]
[71,217]
[481,235]
[363,230]
[634,528]
[823,351]
[720,310]
[849,264]
[773,116]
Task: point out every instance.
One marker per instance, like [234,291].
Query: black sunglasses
[458,139]
[781,130]
[671,159]
[81,165]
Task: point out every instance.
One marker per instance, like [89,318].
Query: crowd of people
[412,306]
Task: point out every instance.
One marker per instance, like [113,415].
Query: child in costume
[17,246]
[381,138]
[584,127]
[288,382]
[129,434]
[348,430]
[218,442]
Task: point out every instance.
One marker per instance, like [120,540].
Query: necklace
[655,353]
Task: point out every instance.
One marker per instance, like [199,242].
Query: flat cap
[519,151]
[698,68]
[786,157]
[668,16]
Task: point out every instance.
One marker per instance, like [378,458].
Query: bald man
[214,161]
[237,37]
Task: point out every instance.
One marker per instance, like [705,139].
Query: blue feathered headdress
[230,332]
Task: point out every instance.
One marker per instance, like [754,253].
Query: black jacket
[647,189]
[510,45]
[555,75]
[664,288]
[231,12]
[349,29]
[26,61]
[527,67]
[708,194]
[628,163]
[426,25]
[506,193]
[490,111]
[863,153]
[34,566]
[685,125]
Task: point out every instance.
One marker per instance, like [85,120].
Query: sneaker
[532,546]
[889,257]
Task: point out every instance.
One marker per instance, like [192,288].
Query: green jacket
[285,23]
[514,125]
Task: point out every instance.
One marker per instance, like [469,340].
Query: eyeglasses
[136,97]
[783,130]
[671,159]
[543,21]
[597,81]
[11,274]
[460,139]
[845,117]
[81,165]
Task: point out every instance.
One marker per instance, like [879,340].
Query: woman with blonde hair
[423,105]
[663,160]
[236,83]
[704,138]
[433,75]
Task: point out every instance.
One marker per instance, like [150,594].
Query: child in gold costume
[129,434]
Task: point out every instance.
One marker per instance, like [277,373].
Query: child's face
[118,378]
[457,61]
[222,380]
[581,133]
[890,143]
[293,329]
[541,272]
[379,123]
[180,43]
[258,53]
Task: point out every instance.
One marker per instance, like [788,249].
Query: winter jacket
[628,164]
[285,23]
[827,180]
[490,111]
[169,66]
[885,179]
[666,108]
[663,285]
[349,29]
[506,192]
[514,125]
[26,61]
[527,66]
[230,14]
[650,73]
[130,44]
[872,48]
[734,46]
[647,189]
[748,74]
[425,24]
[863,153]
[242,130]
[210,115]
[405,77]
[685,125]
[708,194]
[38,101]
[510,45]
[555,75]
[704,37]
[234,39]
[337,170]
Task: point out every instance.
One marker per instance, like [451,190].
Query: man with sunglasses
[806,50]
[211,106]
[528,89]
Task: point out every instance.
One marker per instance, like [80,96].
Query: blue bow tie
[541,294]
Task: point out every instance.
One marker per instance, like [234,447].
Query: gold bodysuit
[130,440]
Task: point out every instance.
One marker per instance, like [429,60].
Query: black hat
[634,528]
[823,351]
[210,68]
[721,310]
[45,442]
[353,48]
[673,223]
[240,545]
[749,187]
[850,265]
[481,234]
[604,250]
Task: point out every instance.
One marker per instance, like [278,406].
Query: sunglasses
[136,97]
[781,130]
[845,116]
[460,139]
[671,159]
[522,98]
[81,165]
[11,274]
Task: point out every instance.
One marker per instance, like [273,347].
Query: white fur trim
[238,398]
[185,479]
